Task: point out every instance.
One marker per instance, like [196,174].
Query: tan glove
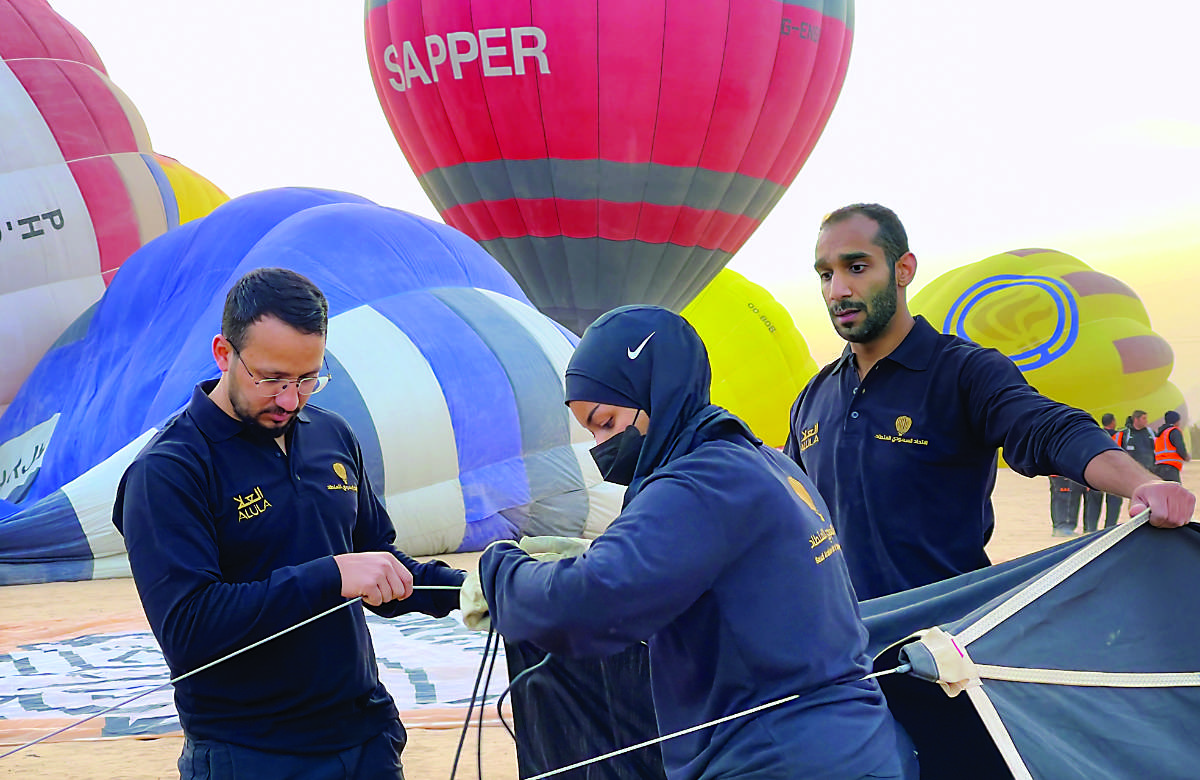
[551,548]
[544,548]
[471,601]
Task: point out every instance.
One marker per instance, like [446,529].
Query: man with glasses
[249,513]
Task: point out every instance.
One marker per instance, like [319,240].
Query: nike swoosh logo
[633,353]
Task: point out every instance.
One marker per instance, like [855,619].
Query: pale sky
[1071,125]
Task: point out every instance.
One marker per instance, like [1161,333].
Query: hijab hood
[649,358]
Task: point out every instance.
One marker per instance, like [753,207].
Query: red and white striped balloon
[80,190]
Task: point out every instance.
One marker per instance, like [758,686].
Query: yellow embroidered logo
[801,491]
[340,471]
[251,504]
[808,437]
[826,536]
[903,426]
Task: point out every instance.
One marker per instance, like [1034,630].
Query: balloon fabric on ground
[760,361]
[1079,336]
[80,189]
[451,380]
[607,152]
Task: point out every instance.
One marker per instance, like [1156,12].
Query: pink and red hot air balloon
[607,151]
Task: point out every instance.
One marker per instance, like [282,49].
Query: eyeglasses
[269,388]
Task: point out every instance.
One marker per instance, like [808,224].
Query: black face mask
[617,458]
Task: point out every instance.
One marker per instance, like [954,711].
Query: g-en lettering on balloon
[420,61]
[805,30]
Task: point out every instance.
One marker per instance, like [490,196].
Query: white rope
[899,669]
[208,665]
[655,741]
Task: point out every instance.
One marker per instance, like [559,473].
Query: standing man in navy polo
[901,432]
[250,512]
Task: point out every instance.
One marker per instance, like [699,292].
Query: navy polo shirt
[231,540]
[906,458]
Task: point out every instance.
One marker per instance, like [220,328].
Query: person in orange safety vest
[1169,449]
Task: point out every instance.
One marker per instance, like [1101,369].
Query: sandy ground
[30,612]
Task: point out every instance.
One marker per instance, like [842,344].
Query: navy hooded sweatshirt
[724,560]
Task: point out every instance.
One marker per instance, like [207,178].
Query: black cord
[487,682]
[471,706]
[500,701]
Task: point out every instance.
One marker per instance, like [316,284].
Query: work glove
[543,548]
[471,601]
[551,548]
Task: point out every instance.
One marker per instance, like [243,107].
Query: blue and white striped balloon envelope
[450,378]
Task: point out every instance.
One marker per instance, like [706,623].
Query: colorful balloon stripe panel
[563,135]
[451,380]
[80,189]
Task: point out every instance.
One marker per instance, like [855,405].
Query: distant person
[723,560]
[901,433]
[1065,495]
[1093,503]
[1112,501]
[251,512]
[1138,440]
[1170,453]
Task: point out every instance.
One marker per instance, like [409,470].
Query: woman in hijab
[723,559]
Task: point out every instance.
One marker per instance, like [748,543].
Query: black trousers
[1065,497]
[1112,512]
[1093,502]
[1168,472]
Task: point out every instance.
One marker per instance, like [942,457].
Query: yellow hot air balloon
[195,196]
[1079,336]
[760,362]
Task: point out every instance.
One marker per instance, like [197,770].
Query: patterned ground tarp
[429,665]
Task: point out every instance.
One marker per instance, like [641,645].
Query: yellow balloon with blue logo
[1079,336]
[760,362]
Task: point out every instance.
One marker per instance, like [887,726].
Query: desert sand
[30,612]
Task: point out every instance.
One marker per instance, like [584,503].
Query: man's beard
[250,419]
[880,309]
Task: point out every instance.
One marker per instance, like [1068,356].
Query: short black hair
[1107,418]
[273,292]
[1138,413]
[891,236]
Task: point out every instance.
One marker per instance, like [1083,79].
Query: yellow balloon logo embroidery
[340,470]
[903,423]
